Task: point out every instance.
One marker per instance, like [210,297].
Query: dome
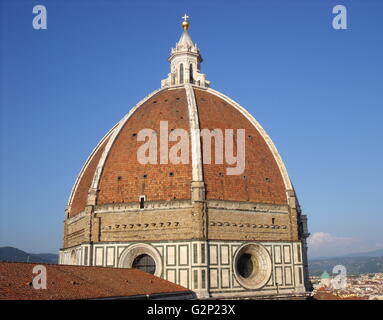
[113,174]
[189,187]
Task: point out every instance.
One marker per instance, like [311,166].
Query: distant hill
[17,255]
[354,265]
[375,253]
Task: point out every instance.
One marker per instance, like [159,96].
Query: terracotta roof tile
[124,179]
[65,282]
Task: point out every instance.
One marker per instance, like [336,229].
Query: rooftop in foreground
[66,282]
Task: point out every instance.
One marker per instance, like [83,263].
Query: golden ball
[185,24]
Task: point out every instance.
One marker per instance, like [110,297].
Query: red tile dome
[112,174]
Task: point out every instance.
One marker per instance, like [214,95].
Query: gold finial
[185,23]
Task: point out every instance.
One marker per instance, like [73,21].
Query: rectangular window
[195,279]
[86,256]
[195,253]
[181,73]
[142,202]
[202,253]
[299,253]
[203,279]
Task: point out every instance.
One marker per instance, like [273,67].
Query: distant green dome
[325,275]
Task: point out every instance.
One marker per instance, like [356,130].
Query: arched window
[181,73]
[191,74]
[145,263]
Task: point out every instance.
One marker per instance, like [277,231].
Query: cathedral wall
[231,220]
[208,268]
[149,225]
[181,220]
[76,230]
[230,225]
[286,274]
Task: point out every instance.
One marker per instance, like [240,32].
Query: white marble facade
[208,268]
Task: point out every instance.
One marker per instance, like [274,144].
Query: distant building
[325,279]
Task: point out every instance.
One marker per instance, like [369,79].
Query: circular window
[245,265]
[142,256]
[145,263]
[252,266]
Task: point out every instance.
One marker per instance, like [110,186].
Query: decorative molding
[245,225]
[149,206]
[251,207]
[76,218]
[194,134]
[142,226]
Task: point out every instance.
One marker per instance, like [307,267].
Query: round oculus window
[252,266]
[145,263]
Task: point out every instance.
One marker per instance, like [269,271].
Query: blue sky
[317,91]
